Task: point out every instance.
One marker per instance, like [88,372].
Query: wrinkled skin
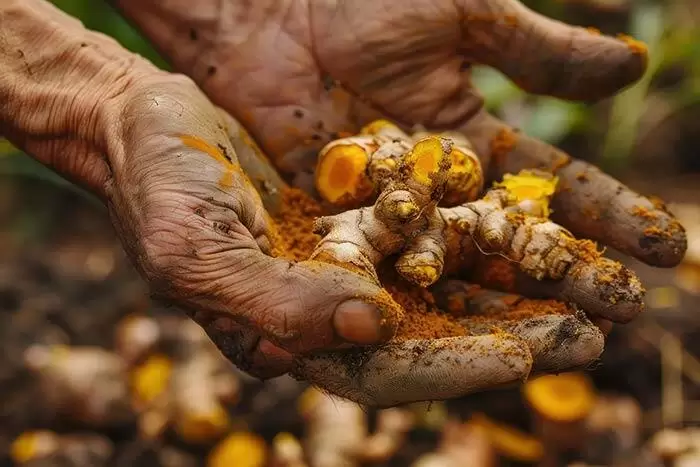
[295,73]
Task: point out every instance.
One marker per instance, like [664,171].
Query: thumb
[548,57]
[308,305]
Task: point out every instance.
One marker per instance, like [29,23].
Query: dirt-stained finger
[588,202]
[560,337]
[603,289]
[419,370]
[546,56]
[246,349]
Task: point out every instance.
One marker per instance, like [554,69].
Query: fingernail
[358,322]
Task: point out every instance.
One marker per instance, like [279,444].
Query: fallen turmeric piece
[564,398]
[45,447]
[508,441]
[135,336]
[337,431]
[461,444]
[85,384]
[188,390]
[287,451]
[560,404]
[241,448]
[198,412]
[393,426]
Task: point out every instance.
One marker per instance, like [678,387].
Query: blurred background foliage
[633,127]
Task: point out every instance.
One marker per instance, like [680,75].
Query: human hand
[339,64]
[165,161]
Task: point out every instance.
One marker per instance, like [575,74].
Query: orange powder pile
[295,224]
[523,309]
[518,307]
[423,318]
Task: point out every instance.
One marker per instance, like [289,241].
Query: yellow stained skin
[219,154]
[248,140]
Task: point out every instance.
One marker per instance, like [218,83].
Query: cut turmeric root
[408,178]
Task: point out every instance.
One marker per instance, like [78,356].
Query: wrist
[58,79]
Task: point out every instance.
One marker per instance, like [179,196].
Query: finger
[254,162]
[588,202]
[206,240]
[546,56]
[603,289]
[605,325]
[418,370]
[246,349]
[559,337]
[301,306]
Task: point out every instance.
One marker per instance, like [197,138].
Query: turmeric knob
[384,129]
[567,397]
[307,401]
[341,176]
[465,180]
[49,448]
[561,405]
[201,426]
[508,441]
[33,445]
[530,190]
[85,383]
[287,451]
[150,380]
[240,449]
[135,336]
[427,158]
